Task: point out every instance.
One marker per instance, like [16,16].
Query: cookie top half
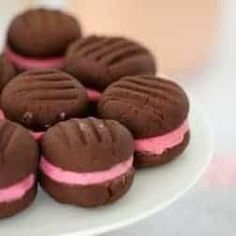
[148,106]
[18,153]
[39,98]
[42,32]
[98,61]
[87,145]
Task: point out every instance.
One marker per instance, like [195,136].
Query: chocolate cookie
[99,61]
[7,71]
[155,110]
[87,162]
[38,38]
[18,163]
[39,98]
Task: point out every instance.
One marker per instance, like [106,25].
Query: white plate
[153,190]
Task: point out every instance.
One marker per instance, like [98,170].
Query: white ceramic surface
[153,190]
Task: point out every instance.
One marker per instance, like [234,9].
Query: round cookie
[18,164]
[39,98]
[38,38]
[155,110]
[98,61]
[7,71]
[87,162]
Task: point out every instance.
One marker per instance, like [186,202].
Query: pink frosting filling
[86,178]
[93,94]
[2,116]
[36,135]
[159,144]
[18,190]
[33,63]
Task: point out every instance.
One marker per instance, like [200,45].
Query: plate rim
[127,222]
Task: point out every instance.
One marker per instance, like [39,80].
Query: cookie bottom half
[147,159]
[88,195]
[11,208]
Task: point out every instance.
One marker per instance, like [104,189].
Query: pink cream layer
[33,63]
[157,145]
[93,94]
[85,178]
[36,135]
[18,190]
[2,116]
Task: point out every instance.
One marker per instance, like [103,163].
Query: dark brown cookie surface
[7,71]
[99,61]
[42,32]
[148,106]
[38,99]
[84,145]
[18,153]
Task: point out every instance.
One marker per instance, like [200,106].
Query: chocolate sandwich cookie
[38,38]
[40,98]
[18,163]
[87,162]
[98,61]
[7,71]
[155,110]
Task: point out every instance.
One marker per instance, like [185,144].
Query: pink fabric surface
[220,173]
[18,190]
[33,63]
[159,144]
[93,94]
[86,178]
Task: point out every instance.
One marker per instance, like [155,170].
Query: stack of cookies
[80,113]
